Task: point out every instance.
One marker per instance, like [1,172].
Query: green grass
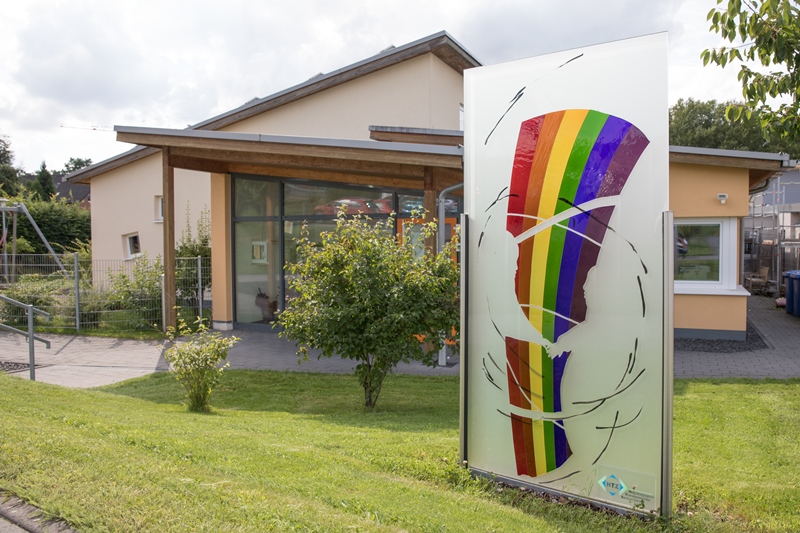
[296,452]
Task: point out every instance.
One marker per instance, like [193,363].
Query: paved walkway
[77,361]
[780,360]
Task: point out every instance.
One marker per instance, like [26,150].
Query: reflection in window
[697,252]
[315,200]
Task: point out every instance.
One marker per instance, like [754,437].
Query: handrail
[11,329]
[31,337]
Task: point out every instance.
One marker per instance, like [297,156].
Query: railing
[31,337]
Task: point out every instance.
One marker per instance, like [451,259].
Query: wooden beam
[300,149]
[429,204]
[168,195]
[322,175]
[722,161]
[365,167]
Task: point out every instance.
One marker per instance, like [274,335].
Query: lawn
[297,452]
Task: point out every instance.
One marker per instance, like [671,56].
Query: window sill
[705,291]
[132,257]
[158,221]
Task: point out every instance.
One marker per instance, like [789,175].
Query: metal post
[200,287]
[77,293]
[5,247]
[441,238]
[30,342]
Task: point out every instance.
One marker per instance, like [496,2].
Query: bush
[42,291]
[138,293]
[370,297]
[196,362]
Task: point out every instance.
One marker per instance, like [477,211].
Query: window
[158,209]
[705,255]
[132,246]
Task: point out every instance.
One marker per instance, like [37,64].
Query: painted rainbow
[563,161]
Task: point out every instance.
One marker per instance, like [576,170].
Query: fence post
[77,293]
[200,287]
[30,342]
[163,307]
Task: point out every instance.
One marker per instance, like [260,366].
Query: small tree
[367,296]
[43,186]
[198,362]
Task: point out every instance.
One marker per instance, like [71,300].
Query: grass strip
[297,452]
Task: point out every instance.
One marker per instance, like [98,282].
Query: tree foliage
[704,124]
[193,246]
[74,164]
[43,187]
[9,176]
[371,297]
[765,33]
[61,223]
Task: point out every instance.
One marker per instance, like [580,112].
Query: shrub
[367,296]
[138,293]
[196,362]
[42,291]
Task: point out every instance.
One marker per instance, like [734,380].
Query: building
[267,166]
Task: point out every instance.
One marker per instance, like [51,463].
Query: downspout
[440,238]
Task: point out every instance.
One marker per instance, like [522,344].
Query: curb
[28,517]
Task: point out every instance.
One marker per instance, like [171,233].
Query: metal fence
[102,295]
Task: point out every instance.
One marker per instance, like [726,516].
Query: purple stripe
[621,166]
[608,141]
[558,433]
[595,230]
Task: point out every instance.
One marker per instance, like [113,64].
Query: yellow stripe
[557,164]
[559,156]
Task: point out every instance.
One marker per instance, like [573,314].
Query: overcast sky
[69,66]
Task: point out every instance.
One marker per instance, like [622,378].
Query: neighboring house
[74,193]
[271,165]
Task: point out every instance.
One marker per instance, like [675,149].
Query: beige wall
[221,265]
[693,193]
[123,202]
[725,313]
[693,190]
[422,92]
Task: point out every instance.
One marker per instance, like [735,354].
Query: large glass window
[697,256]
[302,199]
[258,280]
[268,214]
[705,255]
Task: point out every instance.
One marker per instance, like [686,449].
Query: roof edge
[441,44]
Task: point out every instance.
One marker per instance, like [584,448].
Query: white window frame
[728,259]
[158,209]
[126,243]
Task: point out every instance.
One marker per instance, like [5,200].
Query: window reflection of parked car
[682,244]
[408,204]
[353,206]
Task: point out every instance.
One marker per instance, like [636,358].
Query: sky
[72,70]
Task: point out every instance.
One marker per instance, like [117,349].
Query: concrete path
[780,360]
[83,362]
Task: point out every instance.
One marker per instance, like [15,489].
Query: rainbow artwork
[568,167]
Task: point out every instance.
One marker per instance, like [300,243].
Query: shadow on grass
[336,398]
[683,386]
